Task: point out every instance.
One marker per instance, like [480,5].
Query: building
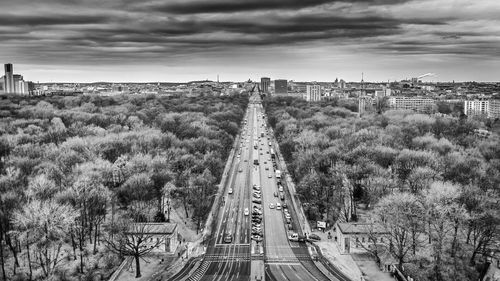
[265,82]
[313,93]
[14,83]
[9,78]
[418,104]
[494,109]
[166,234]
[280,86]
[355,236]
[476,107]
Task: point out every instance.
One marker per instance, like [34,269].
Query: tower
[9,78]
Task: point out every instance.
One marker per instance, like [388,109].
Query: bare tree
[47,224]
[132,239]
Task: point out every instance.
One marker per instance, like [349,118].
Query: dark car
[314,237]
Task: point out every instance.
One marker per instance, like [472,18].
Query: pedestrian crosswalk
[234,257]
[199,272]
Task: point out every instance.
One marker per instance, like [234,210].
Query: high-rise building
[265,82]
[313,93]
[476,107]
[9,78]
[280,86]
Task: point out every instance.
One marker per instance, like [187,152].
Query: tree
[131,239]
[443,210]
[401,215]
[47,223]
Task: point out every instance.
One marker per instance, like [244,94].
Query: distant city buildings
[418,104]
[265,82]
[280,86]
[14,83]
[313,93]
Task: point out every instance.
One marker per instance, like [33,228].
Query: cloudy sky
[302,40]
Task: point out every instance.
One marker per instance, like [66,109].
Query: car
[278,206]
[261,153]
[257,238]
[314,237]
[256,195]
[257,232]
[256,187]
[267,152]
[267,168]
[271,206]
[256,224]
[246,160]
[256,212]
[270,176]
[240,170]
[275,194]
[257,191]
[257,201]
[287,215]
[230,191]
[228,238]
[247,212]
[285,206]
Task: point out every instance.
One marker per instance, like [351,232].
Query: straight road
[229,252]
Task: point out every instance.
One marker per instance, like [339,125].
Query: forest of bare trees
[430,181]
[71,165]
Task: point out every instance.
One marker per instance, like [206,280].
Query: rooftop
[361,228]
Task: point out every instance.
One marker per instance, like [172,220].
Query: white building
[418,104]
[476,107]
[356,236]
[313,93]
[162,235]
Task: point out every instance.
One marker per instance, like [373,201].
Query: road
[231,259]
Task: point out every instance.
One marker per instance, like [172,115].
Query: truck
[262,134]
[272,154]
[255,144]
[278,174]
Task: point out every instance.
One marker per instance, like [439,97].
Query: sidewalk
[343,262]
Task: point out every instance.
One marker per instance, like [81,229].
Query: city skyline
[316,40]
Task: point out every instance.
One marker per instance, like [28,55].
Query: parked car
[314,237]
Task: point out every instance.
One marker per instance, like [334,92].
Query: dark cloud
[230,6]
[157,31]
[50,19]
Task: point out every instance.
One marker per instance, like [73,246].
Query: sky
[300,40]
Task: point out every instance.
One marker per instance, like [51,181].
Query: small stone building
[162,236]
[352,236]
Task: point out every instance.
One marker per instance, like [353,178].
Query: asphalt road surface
[230,259]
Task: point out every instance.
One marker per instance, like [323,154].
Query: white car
[278,206]
[270,176]
[247,212]
[271,206]
[230,191]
